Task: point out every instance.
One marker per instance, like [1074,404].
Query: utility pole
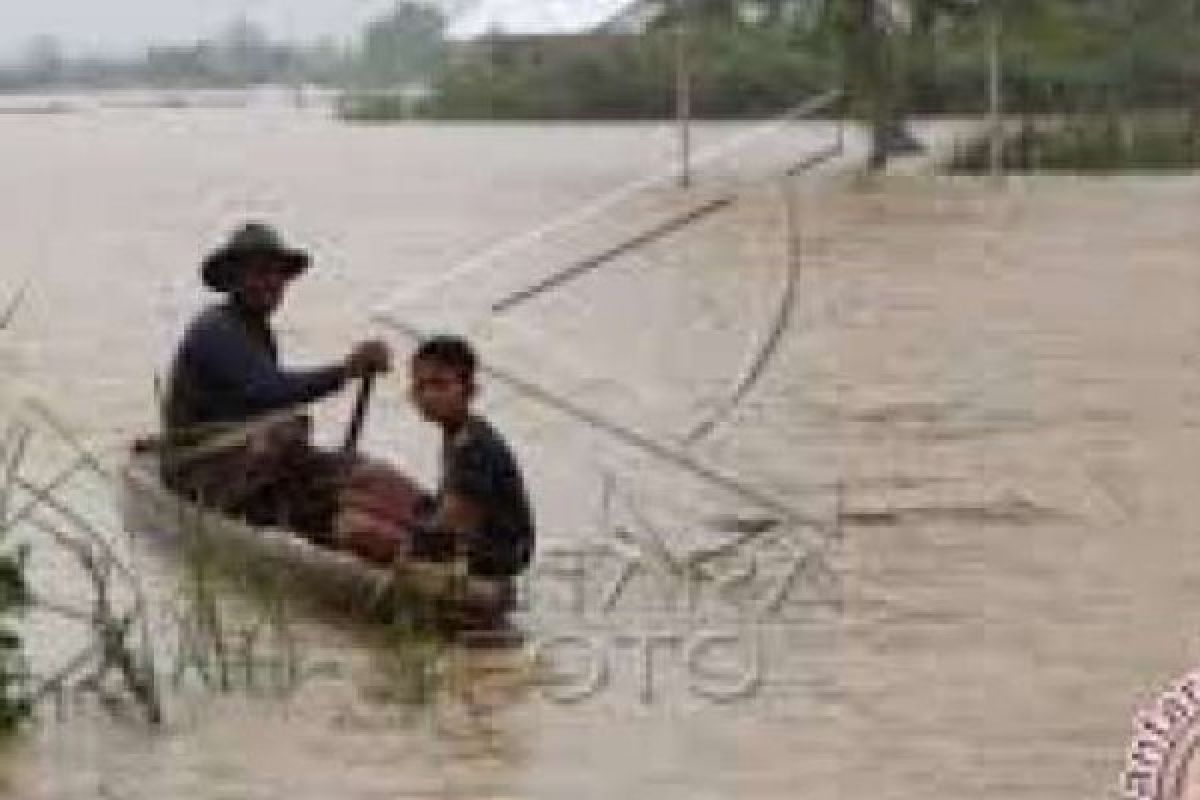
[995,78]
[683,95]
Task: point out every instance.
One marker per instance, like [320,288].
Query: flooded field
[994,386]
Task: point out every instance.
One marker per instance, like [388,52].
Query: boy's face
[441,393]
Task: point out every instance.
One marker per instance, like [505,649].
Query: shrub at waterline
[1148,142]
[14,598]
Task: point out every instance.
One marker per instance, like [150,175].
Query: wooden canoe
[438,593]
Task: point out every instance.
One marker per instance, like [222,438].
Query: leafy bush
[14,684]
[1150,141]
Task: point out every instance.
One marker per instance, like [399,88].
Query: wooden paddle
[361,404]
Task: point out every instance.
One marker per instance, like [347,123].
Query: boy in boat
[481,509]
[232,438]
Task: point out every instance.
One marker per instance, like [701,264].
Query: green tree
[44,60]
[407,44]
[244,54]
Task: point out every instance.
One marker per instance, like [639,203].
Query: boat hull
[437,592]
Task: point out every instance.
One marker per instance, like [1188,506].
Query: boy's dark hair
[451,351]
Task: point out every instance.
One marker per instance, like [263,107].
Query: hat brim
[221,270]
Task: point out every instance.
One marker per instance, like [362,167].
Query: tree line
[750,57]
[401,45]
[753,56]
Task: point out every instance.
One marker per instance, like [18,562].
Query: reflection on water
[1001,383]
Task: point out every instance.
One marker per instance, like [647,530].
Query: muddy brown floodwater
[1002,382]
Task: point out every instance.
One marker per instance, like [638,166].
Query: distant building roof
[545,17]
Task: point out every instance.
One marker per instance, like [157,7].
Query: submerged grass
[251,647]
[237,616]
[118,645]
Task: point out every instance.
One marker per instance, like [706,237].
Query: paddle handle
[361,403]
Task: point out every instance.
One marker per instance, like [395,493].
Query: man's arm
[228,355]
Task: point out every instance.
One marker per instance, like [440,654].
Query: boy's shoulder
[479,462]
[479,445]
[480,434]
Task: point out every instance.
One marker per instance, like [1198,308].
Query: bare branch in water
[110,647]
[10,311]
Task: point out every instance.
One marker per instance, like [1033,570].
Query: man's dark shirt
[478,464]
[227,372]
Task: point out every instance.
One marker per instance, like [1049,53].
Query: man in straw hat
[233,437]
